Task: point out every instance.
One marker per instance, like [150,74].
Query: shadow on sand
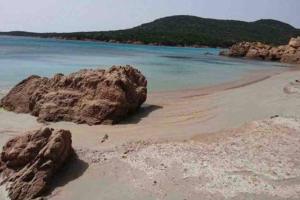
[69,172]
[143,112]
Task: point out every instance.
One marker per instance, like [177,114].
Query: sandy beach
[215,143]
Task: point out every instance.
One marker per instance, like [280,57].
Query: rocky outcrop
[295,42]
[87,96]
[237,50]
[28,162]
[255,50]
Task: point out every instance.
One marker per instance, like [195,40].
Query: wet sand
[188,144]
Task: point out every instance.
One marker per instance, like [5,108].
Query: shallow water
[166,68]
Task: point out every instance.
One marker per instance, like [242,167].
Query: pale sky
[97,15]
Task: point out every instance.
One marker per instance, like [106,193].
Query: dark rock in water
[87,96]
[224,53]
[208,54]
[255,50]
[28,162]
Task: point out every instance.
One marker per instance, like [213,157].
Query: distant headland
[184,30]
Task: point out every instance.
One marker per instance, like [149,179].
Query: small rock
[105,137]
[274,116]
[128,151]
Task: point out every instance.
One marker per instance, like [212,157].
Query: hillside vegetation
[187,31]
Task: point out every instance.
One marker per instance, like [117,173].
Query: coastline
[117,42]
[172,122]
[156,103]
[247,79]
[179,140]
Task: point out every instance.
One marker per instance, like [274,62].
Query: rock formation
[255,50]
[87,96]
[28,162]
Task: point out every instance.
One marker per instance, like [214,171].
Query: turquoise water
[166,68]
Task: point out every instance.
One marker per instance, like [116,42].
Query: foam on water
[166,68]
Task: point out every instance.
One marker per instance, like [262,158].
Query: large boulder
[291,57]
[87,96]
[28,162]
[255,50]
[258,51]
[275,53]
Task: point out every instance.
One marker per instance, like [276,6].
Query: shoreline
[252,77]
[194,127]
[197,142]
[248,78]
[116,42]
[159,104]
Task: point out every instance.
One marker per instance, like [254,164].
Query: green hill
[188,31]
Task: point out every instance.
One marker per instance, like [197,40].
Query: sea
[166,68]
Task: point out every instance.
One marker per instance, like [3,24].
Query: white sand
[3,192]
[177,145]
[260,158]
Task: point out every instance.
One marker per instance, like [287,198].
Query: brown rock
[276,53]
[295,42]
[239,49]
[291,57]
[29,162]
[258,51]
[255,50]
[86,96]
